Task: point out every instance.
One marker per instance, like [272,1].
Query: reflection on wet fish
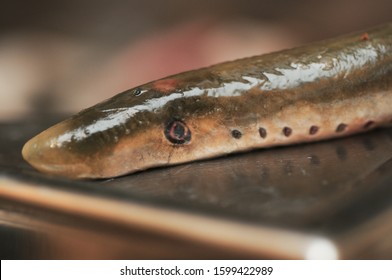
[324,90]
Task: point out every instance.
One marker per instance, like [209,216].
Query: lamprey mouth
[48,154]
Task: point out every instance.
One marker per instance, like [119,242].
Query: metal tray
[330,199]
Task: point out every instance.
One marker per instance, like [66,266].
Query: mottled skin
[324,90]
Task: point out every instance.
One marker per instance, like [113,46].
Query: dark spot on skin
[341,152]
[262,132]
[368,124]
[341,127]
[314,160]
[368,144]
[287,131]
[177,132]
[137,91]
[236,134]
[313,129]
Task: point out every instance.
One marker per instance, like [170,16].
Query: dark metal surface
[339,189]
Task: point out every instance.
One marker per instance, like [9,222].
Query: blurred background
[63,56]
[58,57]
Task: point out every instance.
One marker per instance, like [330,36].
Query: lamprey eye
[177,132]
[137,91]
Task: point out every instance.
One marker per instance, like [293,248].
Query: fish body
[323,90]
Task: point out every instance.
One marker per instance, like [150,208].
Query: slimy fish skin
[324,90]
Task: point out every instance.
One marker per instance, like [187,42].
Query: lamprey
[323,90]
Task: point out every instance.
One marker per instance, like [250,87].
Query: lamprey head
[135,130]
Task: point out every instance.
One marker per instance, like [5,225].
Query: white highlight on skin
[290,77]
[113,119]
[304,73]
[321,249]
[233,88]
[122,115]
